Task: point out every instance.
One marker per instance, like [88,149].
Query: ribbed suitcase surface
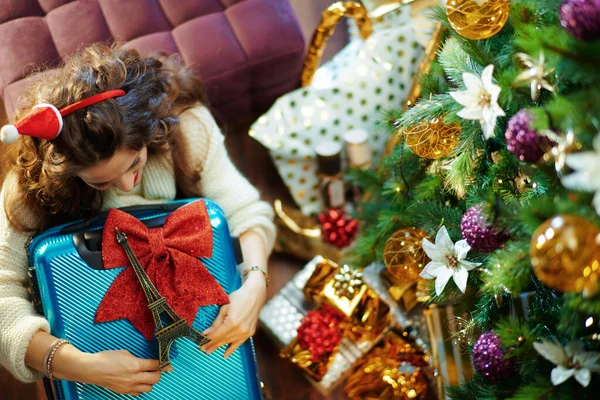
[71,291]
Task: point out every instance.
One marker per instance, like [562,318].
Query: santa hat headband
[46,121]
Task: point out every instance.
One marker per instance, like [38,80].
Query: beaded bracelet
[257,268]
[49,357]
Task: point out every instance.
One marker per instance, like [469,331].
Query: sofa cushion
[246,51]
[69,37]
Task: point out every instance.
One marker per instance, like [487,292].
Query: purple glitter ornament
[523,142]
[479,233]
[488,358]
[581,18]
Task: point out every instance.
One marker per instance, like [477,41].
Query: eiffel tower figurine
[165,335]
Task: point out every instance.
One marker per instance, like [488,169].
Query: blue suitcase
[68,274]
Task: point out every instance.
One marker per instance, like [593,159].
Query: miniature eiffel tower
[165,335]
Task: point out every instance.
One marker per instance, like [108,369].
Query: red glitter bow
[337,228]
[320,332]
[169,255]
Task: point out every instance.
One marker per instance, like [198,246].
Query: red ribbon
[169,255]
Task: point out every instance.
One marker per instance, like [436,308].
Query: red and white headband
[46,121]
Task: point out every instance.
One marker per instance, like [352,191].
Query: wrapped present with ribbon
[445,335]
[437,329]
[282,318]
[343,288]
[395,369]
[319,336]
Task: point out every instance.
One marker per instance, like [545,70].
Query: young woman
[136,146]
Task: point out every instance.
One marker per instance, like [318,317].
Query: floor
[282,379]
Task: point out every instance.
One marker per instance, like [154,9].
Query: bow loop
[137,236]
[183,228]
[170,257]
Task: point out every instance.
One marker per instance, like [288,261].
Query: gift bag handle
[293,225]
[329,19]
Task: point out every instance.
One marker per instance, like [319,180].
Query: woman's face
[124,171]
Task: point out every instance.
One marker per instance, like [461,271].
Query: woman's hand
[237,320]
[121,372]
[118,371]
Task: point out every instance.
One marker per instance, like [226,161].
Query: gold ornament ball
[479,19]
[432,139]
[565,254]
[404,255]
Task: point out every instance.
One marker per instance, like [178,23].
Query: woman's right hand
[116,370]
[121,372]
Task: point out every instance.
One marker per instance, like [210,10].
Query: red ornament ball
[337,228]
[320,333]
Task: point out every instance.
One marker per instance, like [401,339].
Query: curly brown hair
[157,90]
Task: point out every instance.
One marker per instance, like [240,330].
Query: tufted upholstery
[248,52]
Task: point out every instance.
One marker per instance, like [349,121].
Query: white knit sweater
[220,181]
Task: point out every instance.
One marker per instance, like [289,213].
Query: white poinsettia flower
[480,100]
[447,261]
[570,361]
[587,172]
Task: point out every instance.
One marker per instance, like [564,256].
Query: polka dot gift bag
[371,74]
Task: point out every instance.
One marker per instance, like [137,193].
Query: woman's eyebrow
[137,159]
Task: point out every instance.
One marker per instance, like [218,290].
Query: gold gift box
[282,314]
[407,294]
[341,287]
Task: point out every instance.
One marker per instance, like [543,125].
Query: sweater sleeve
[18,320]
[220,180]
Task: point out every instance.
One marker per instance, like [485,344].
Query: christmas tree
[494,182]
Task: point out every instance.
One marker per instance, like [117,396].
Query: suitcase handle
[131,209]
[89,244]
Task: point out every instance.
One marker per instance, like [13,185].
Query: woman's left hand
[237,320]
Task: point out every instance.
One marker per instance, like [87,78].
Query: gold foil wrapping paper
[367,315]
[453,363]
[347,305]
[404,293]
[390,371]
[438,329]
[280,319]
[370,318]
[303,359]
[429,328]
[323,273]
